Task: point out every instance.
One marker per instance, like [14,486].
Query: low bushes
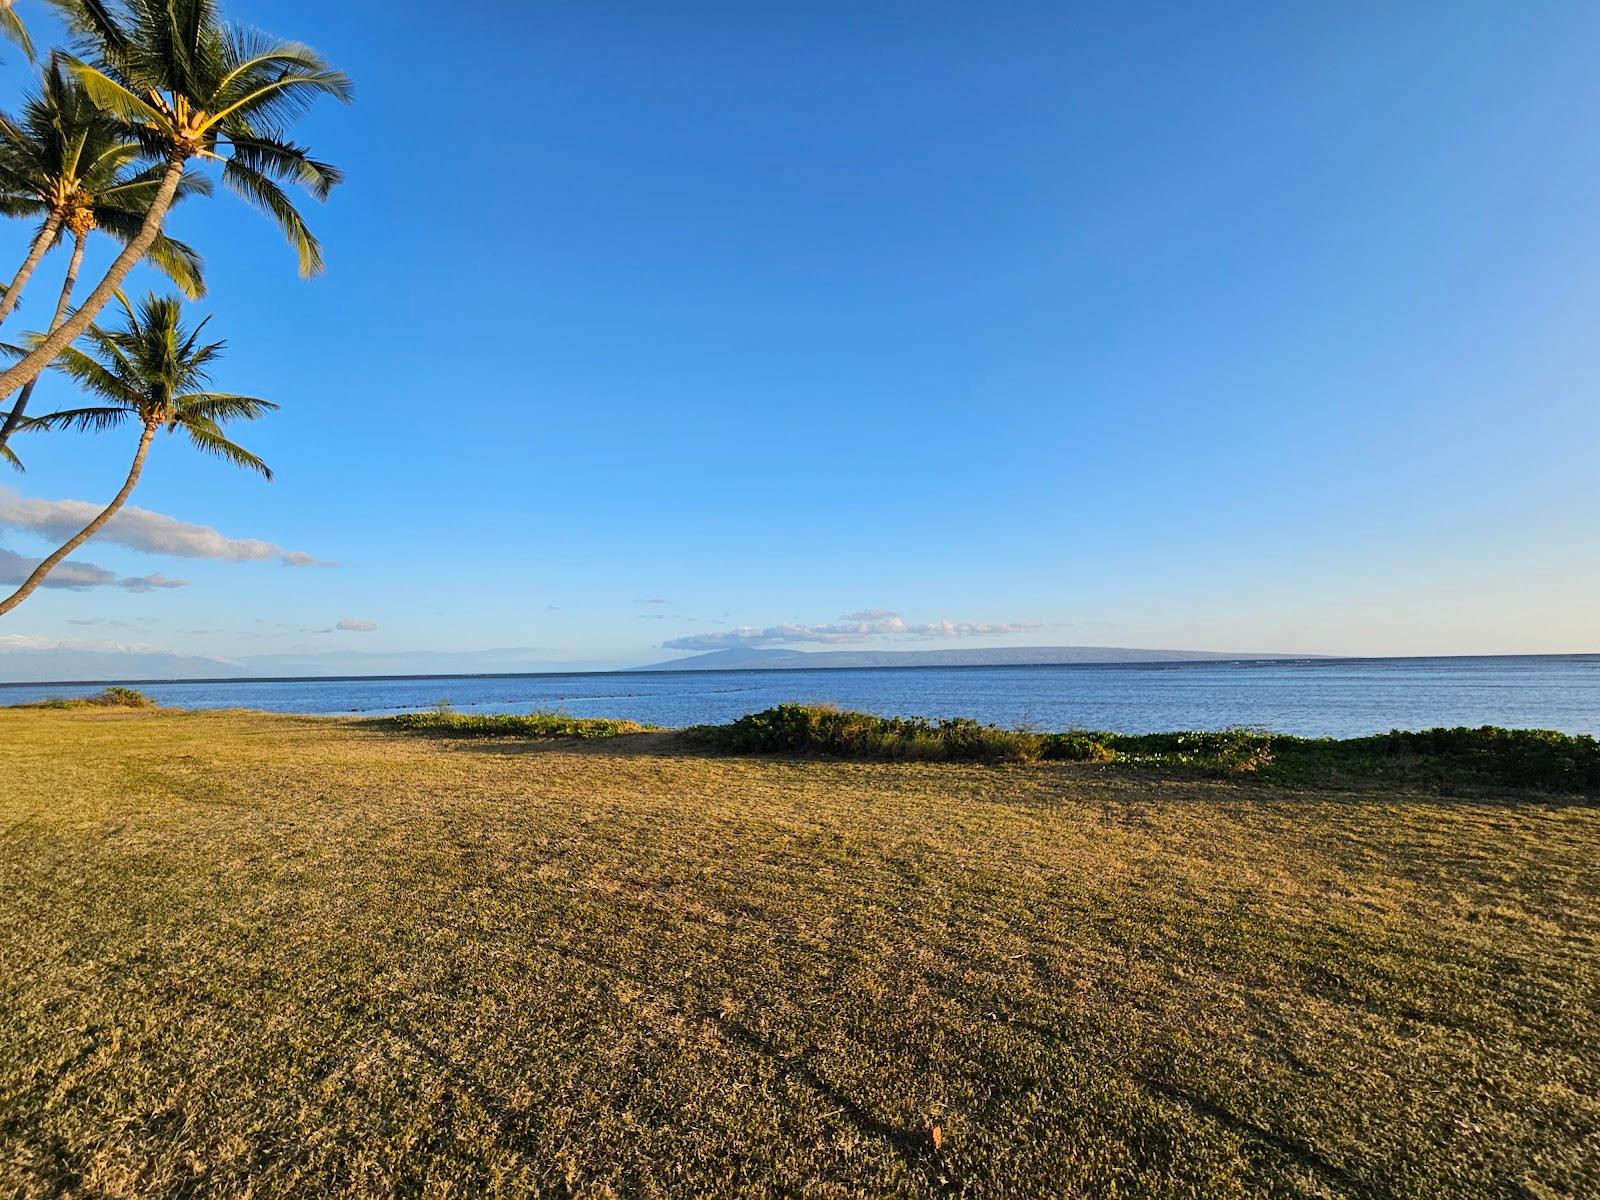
[1527,758]
[527,725]
[1443,758]
[816,729]
[121,697]
[1237,751]
[111,697]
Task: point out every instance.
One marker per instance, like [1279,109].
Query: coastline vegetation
[1441,760]
[511,725]
[111,697]
[1485,757]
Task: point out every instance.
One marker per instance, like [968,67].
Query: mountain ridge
[754,659]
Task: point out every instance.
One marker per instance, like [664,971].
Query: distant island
[92,664]
[746,659]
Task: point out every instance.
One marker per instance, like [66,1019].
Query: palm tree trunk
[45,239]
[45,353]
[14,417]
[89,530]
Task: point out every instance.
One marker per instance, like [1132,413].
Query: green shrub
[1236,751]
[445,723]
[1536,758]
[1442,758]
[1446,759]
[111,697]
[121,697]
[818,729]
[1077,747]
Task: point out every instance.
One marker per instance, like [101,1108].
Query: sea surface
[1313,697]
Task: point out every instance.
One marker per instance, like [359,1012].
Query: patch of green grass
[445,723]
[255,955]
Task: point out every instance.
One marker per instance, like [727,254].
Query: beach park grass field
[255,955]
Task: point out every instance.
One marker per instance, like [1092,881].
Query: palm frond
[267,196]
[8,455]
[178,261]
[117,100]
[83,419]
[223,406]
[207,436]
[184,347]
[13,30]
[93,23]
[269,154]
[94,376]
[135,192]
[22,206]
[283,98]
[253,58]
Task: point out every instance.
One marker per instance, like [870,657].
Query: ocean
[1312,697]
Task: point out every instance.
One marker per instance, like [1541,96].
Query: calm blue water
[1333,697]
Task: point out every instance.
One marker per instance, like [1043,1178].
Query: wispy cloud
[299,558]
[79,576]
[149,583]
[355,625]
[851,628]
[143,530]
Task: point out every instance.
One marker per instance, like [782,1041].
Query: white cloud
[142,530]
[354,625]
[850,628]
[77,576]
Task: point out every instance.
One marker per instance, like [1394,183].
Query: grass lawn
[243,954]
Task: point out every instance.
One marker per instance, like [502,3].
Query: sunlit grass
[261,955]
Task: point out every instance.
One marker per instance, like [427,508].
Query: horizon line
[1281,659]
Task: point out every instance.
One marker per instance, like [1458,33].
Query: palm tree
[71,165]
[190,86]
[154,372]
[65,161]
[12,29]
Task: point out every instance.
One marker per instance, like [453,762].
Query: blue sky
[1255,328]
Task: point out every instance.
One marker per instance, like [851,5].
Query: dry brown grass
[251,955]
